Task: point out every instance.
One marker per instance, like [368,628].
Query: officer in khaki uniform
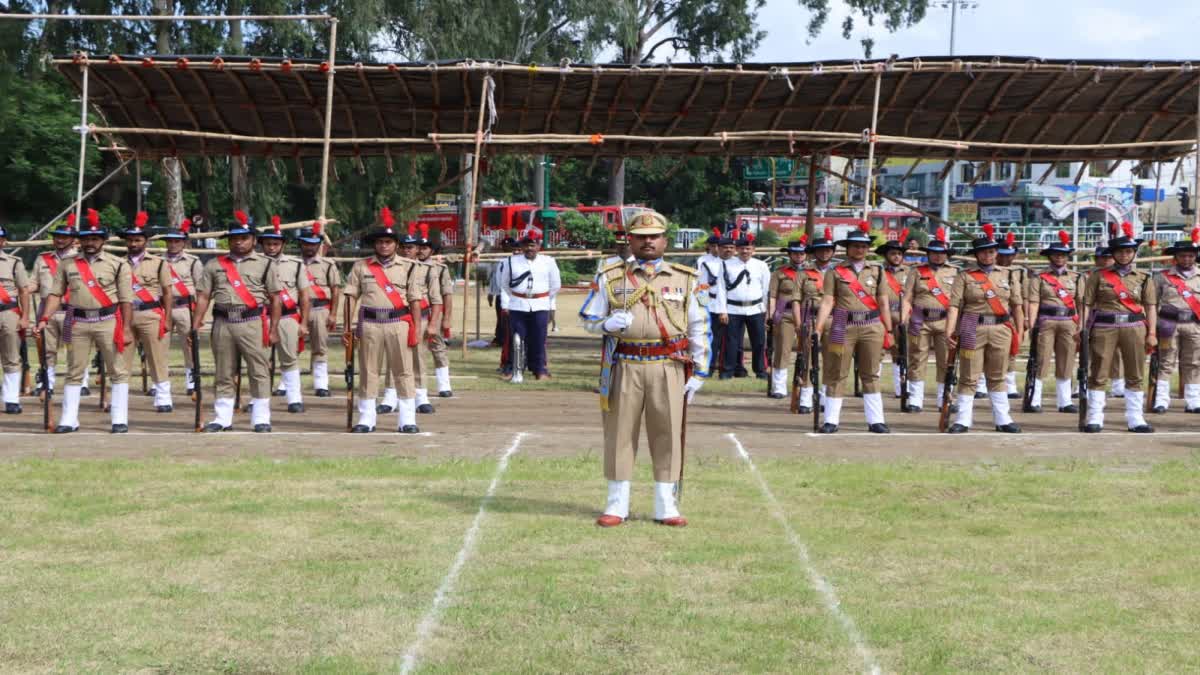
[1179,325]
[325,288]
[783,309]
[1121,307]
[655,333]
[926,305]
[294,313]
[895,276]
[387,332]
[855,310]
[14,321]
[987,312]
[1052,298]
[1103,258]
[243,288]
[184,269]
[152,299]
[421,285]
[101,313]
[45,268]
[1006,258]
[441,284]
[812,292]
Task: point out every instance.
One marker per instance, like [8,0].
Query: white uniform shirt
[708,271]
[742,282]
[519,275]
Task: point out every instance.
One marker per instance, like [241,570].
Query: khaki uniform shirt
[1167,293]
[113,276]
[291,275]
[257,272]
[13,276]
[669,292]
[1042,293]
[968,295]
[813,288]
[871,279]
[917,289]
[151,273]
[188,268]
[900,274]
[326,274]
[361,282]
[787,285]
[431,281]
[1099,295]
[43,278]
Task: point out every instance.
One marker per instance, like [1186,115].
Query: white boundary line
[441,597]
[819,582]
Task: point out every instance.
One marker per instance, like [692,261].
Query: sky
[1082,29]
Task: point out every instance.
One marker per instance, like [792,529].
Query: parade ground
[471,547]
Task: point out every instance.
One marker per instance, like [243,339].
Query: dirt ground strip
[476,424]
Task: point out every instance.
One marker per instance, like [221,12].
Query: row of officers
[267,308]
[983,311]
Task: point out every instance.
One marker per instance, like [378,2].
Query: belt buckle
[644,351]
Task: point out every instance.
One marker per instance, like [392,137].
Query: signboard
[444,198]
[964,212]
[1000,214]
[759,168]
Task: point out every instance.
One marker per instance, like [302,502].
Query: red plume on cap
[903,235]
[940,235]
[425,231]
[140,220]
[864,226]
[1010,238]
[70,220]
[316,228]
[716,232]
[1064,237]
[275,223]
[241,217]
[750,237]
[93,217]
[412,228]
[1196,236]
[828,234]
[386,217]
[1127,229]
[989,231]
[185,226]
[804,239]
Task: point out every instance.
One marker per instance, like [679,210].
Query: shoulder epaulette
[612,266]
[685,269]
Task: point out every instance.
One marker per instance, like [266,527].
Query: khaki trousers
[100,335]
[145,333]
[865,342]
[233,340]
[1181,354]
[10,342]
[385,346]
[783,339]
[932,337]
[989,359]
[52,335]
[181,325]
[1107,343]
[287,352]
[1057,337]
[318,335]
[653,390]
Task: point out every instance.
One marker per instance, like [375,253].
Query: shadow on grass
[469,503]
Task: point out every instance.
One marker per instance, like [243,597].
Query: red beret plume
[864,226]
[716,232]
[989,231]
[1127,228]
[750,238]
[1064,237]
[903,236]
[804,239]
[241,217]
[141,219]
[93,217]
[412,228]
[1196,236]
[828,234]
[940,235]
[1010,238]
[316,228]
[70,220]
[386,217]
[425,230]
[185,226]
[275,223]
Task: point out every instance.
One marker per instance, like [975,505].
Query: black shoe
[1193,411]
[761,376]
[740,373]
[262,428]
[1034,409]
[246,408]
[1159,409]
[164,408]
[408,429]
[879,428]
[279,392]
[361,429]
[912,409]
[446,394]
[828,428]
[804,410]
[383,409]
[425,408]
[1072,409]
[120,428]
[85,392]
[150,392]
[1091,429]
[65,430]
[190,392]
[213,427]
[12,408]
[1121,395]
[980,395]
[1143,429]
[1013,397]
[957,428]
[1075,394]
[775,395]
[1009,428]
[295,407]
[323,393]
[726,376]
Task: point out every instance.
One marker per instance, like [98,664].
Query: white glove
[691,387]
[618,321]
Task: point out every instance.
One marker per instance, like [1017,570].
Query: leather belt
[532,296]
[743,303]
[1177,315]
[288,311]
[237,313]
[1118,317]
[139,306]
[182,302]
[652,350]
[993,320]
[1055,310]
[932,314]
[316,304]
[93,314]
[7,306]
[382,314]
[861,317]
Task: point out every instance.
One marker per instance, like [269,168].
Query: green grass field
[310,565]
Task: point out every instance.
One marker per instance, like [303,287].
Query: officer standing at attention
[528,286]
[855,310]
[294,315]
[1053,298]
[1179,325]
[926,304]
[812,293]
[325,289]
[441,284]
[742,308]
[658,333]
[244,290]
[1005,258]
[45,268]
[783,303]
[14,303]
[101,289]
[185,269]
[895,274]
[151,301]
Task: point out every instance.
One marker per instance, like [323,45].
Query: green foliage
[767,239]
[586,231]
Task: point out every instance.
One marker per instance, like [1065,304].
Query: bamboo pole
[83,135]
[871,153]
[324,202]
[470,243]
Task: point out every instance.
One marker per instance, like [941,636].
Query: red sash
[1186,293]
[89,280]
[790,272]
[5,298]
[857,288]
[935,289]
[998,308]
[316,288]
[144,295]
[51,260]
[1123,294]
[893,284]
[1060,291]
[239,288]
[288,305]
[817,278]
[181,289]
[393,295]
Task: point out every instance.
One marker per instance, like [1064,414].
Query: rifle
[142,355]
[770,353]
[24,350]
[43,378]
[814,376]
[1085,355]
[1033,368]
[348,339]
[237,383]
[902,345]
[98,363]
[1155,375]
[857,380]
[194,347]
[951,380]
[272,371]
[798,369]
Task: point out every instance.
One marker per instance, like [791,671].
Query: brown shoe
[677,521]
[542,376]
[609,521]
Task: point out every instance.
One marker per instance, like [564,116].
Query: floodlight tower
[953,6]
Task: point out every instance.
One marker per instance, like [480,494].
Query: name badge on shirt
[674,294]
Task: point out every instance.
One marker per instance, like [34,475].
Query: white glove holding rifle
[690,388]
[618,321]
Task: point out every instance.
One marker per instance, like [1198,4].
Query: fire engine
[792,222]
[497,220]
